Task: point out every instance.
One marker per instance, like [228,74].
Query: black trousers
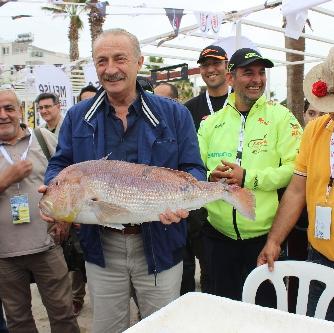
[297,250]
[229,262]
[317,287]
[192,250]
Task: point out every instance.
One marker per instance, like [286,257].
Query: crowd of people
[230,133]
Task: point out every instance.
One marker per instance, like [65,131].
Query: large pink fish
[116,192]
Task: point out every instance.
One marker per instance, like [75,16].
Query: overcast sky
[51,33]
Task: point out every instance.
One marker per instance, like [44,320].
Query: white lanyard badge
[208,100]
[241,139]
[24,154]
[19,203]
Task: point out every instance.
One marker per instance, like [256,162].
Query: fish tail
[242,199]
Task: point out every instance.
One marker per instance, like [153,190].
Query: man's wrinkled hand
[269,254]
[18,171]
[232,173]
[42,189]
[169,217]
[59,231]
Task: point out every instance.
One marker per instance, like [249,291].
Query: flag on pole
[174,15]
[209,22]
[102,8]
[296,12]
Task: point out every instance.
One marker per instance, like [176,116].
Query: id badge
[20,209]
[323,220]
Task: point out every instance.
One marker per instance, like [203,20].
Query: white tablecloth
[203,313]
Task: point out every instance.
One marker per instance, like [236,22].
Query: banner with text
[52,79]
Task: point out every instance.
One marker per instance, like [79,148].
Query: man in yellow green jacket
[252,143]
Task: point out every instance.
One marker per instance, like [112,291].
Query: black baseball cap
[212,51]
[246,56]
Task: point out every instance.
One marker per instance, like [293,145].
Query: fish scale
[118,192]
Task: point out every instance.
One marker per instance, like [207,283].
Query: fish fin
[103,210]
[155,172]
[106,157]
[242,199]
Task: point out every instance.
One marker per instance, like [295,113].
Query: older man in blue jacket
[125,123]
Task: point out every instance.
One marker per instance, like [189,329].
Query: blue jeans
[3,326]
[317,287]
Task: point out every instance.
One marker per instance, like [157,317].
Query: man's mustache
[113,77]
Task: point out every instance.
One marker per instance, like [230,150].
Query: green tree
[154,60]
[185,89]
[72,12]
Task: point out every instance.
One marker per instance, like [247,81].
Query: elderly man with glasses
[49,108]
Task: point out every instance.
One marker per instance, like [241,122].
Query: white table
[203,313]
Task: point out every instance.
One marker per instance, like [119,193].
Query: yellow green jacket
[271,141]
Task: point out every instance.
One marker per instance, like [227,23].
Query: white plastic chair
[305,272]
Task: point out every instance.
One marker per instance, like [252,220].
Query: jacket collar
[259,103]
[146,107]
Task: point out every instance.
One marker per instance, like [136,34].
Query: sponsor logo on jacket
[259,145]
[219,154]
[263,121]
[295,130]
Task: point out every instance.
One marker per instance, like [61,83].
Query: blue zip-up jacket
[166,138]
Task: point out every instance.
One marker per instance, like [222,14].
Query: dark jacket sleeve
[189,155]
[64,152]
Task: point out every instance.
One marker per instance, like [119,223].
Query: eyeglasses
[46,107]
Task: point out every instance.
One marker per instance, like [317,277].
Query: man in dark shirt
[213,65]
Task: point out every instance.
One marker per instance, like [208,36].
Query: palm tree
[295,77]
[95,20]
[154,60]
[72,12]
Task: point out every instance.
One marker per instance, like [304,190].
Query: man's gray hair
[12,90]
[120,32]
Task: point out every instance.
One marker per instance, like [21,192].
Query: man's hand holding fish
[59,230]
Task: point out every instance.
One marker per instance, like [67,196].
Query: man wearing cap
[213,64]
[311,184]
[251,143]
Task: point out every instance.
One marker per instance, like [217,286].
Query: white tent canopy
[261,24]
